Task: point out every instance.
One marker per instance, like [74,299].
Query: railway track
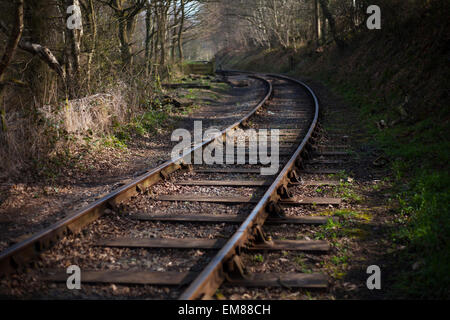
[184,231]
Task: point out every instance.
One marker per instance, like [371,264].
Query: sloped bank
[396,80]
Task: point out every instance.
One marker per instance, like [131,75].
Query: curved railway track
[188,228]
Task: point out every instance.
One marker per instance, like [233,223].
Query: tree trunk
[148,16]
[316,23]
[162,34]
[180,33]
[74,43]
[174,31]
[125,48]
[127,22]
[93,27]
[131,26]
[323,28]
[14,39]
[10,50]
[326,12]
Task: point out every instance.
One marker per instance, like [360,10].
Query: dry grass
[31,138]
[95,113]
[22,140]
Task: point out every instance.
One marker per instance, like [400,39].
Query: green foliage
[419,153]
[141,125]
[329,230]
[338,260]
[350,215]
[342,175]
[427,232]
[258,258]
[113,142]
[300,260]
[191,95]
[374,75]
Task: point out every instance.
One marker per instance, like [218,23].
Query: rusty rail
[215,273]
[21,253]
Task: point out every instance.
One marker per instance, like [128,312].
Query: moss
[375,73]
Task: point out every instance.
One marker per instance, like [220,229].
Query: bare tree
[88,7]
[180,30]
[332,22]
[10,50]
[126,12]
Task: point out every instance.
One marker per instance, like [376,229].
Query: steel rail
[23,252]
[214,274]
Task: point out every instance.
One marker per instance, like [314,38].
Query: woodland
[73,71]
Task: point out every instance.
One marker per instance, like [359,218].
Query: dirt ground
[369,215]
[31,203]
[359,240]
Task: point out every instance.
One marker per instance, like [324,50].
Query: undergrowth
[396,81]
[418,154]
